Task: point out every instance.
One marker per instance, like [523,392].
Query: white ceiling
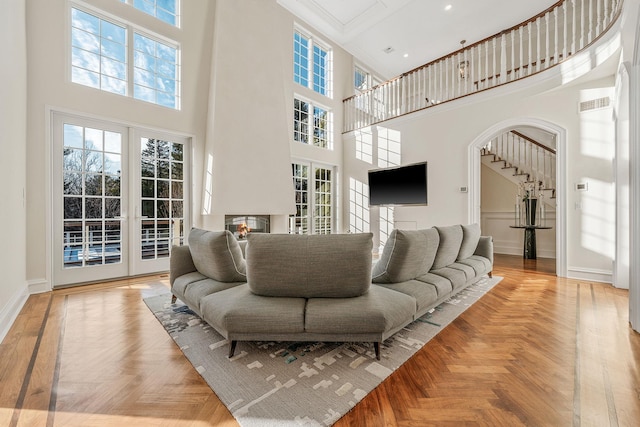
[421,29]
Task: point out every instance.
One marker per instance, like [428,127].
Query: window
[312,124]
[164,10]
[99,52]
[154,71]
[361,79]
[312,64]
[314,199]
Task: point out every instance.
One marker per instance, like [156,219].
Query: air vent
[388,49]
[595,104]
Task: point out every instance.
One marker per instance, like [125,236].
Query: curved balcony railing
[535,45]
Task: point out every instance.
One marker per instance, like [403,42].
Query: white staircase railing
[533,46]
[531,161]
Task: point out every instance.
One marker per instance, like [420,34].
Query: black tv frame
[404,186]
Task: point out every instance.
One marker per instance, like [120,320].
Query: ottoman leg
[232,348]
[376,347]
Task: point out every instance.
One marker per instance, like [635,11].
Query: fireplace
[241,225]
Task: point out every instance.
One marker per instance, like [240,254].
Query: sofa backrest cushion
[309,266]
[217,255]
[449,247]
[406,255]
[470,238]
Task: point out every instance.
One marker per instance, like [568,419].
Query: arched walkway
[561,185]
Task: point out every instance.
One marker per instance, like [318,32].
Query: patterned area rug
[298,383]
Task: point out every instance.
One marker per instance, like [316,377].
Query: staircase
[527,163]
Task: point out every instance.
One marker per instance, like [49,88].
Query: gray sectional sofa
[284,287]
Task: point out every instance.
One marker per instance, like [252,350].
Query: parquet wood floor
[535,351]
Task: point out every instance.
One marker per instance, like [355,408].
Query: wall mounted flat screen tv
[403,185]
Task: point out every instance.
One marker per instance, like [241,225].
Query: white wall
[13,127]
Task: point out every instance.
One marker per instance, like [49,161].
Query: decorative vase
[530,206]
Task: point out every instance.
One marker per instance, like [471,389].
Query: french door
[120,199]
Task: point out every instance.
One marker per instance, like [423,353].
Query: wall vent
[595,104]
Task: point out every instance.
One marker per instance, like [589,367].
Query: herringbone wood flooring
[536,351]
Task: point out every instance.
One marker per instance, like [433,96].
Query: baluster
[582,30]
[606,14]
[564,36]
[538,56]
[590,38]
[521,64]
[547,45]
[599,18]
[530,43]
[556,34]
[486,63]
[503,58]
[429,94]
[454,79]
[472,73]
[495,70]
[513,55]
[468,72]
[573,27]
[441,78]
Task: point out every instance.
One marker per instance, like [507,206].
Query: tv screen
[403,185]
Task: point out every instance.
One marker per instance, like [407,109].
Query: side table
[529,251]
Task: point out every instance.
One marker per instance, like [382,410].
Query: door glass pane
[92,230]
[162,183]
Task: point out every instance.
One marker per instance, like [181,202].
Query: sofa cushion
[468,270]
[309,266]
[238,310]
[442,284]
[216,254]
[457,277]
[480,264]
[198,290]
[406,255]
[424,293]
[470,238]
[379,310]
[449,246]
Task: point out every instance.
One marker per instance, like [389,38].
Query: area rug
[299,383]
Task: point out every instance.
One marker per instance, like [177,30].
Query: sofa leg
[376,347]
[490,274]
[173,299]
[232,348]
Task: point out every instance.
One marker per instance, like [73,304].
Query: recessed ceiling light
[448,7]
[406,55]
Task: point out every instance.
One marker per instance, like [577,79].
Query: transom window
[154,71]
[312,64]
[99,52]
[312,124]
[164,10]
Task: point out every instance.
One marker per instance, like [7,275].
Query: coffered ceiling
[394,36]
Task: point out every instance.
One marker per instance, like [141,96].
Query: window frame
[314,43]
[131,30]
[312,194]
[177,15]
[311,137]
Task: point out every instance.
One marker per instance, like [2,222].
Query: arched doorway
[474,156]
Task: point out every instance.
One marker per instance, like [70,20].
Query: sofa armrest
[485,248]
[180,262]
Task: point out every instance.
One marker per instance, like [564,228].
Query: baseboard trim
[10,311]
[38,286]
[590,275]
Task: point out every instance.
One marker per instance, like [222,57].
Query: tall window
[313,186]
[299,223]
[312,124]
[312,64]
[99,52]
[164,10]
